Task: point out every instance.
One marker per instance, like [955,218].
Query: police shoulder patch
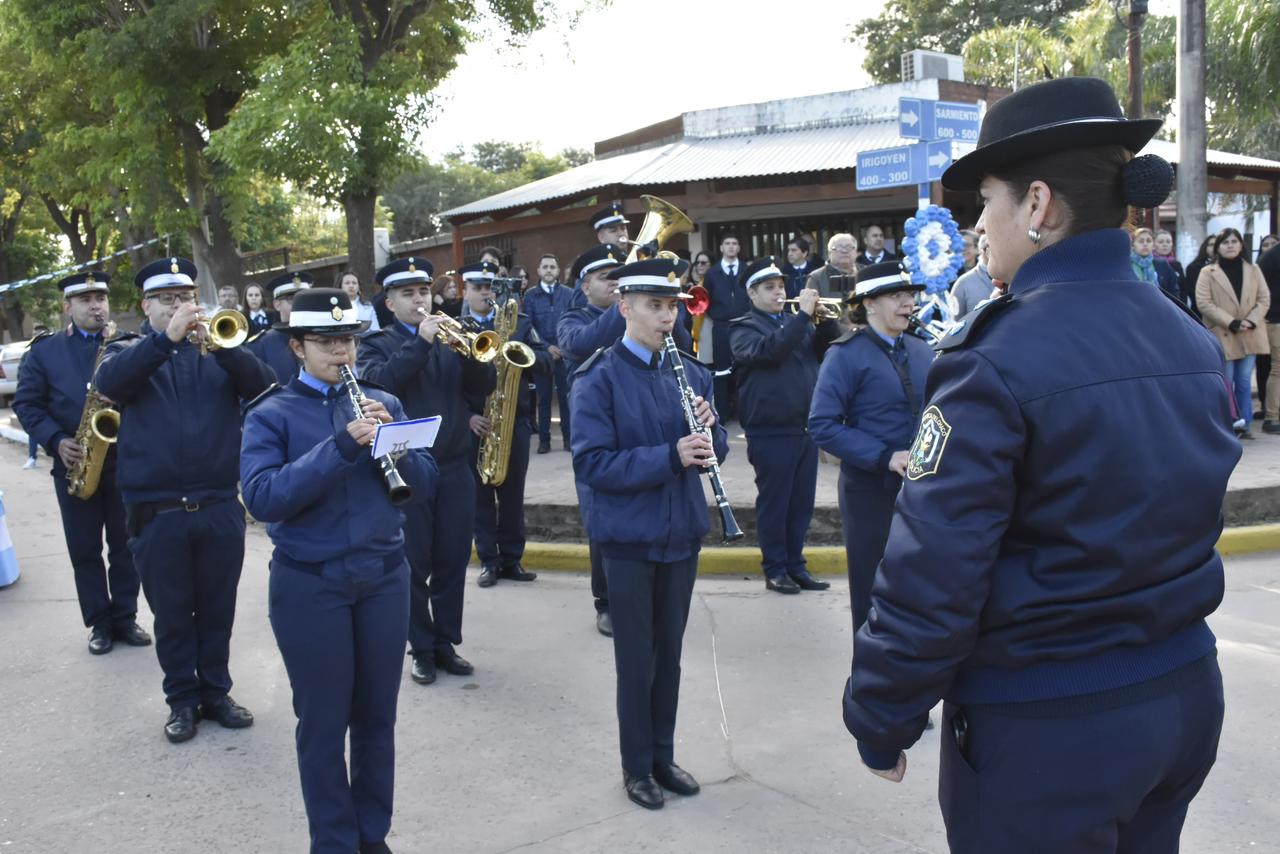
[968,330]
[931,441]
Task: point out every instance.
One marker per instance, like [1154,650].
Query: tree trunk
[216,255]
[359,208]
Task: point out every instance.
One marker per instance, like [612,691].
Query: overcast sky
[571,87]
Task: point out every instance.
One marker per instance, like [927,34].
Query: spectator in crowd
[1164,252]
[545,304]
[798,267]
[1269,391]
[1147,267]
[835,278]
[444,295]
[728,300]
[815,260]
[255,303]
[1234,299]
[522,275]
[1268,241]
[693,277]
[1262,366]
[229,297]
[970,250]
[974,286]
[350,283]
[873,251]
[1203,256]
[493,255]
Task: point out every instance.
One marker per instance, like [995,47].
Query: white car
[10,356]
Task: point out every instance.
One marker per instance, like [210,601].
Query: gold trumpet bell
[484,346]
[662,222]
[228,328]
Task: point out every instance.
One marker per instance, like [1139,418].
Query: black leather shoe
[181,725]
[544,448]
[133,634]
[227,712]
[805,581]
[1271,427]
[675,779]
[516,572]
[453,663]
[100,640]
[782,584]
[424,670]
[488,575]
[643,791]
[374,848]
[604,623]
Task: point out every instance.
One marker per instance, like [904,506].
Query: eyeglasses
[337,342]
[170,299]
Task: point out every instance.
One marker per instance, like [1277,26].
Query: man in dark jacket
[728,300]
[545,303]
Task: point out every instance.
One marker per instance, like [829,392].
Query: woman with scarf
[1233,299]
[1149,268]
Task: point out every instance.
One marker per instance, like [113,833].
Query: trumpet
[481,346]
[829,308]
[226,329]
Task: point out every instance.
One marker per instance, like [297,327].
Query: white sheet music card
[400,436]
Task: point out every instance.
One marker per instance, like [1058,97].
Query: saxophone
[500,407]
[98,430]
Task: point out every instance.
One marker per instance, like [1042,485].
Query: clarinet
[397,490]
[727,523]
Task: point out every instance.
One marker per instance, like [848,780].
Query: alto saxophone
[99,428]
[500,407]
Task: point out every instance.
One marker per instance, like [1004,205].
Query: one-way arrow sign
[910,111]
[937,158]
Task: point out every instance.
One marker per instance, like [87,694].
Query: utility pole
[1137,17]
[1193,183]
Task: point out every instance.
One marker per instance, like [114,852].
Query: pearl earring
[1034,234]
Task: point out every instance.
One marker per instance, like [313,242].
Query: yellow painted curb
[829,560]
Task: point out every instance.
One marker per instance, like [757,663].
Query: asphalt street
[522,756]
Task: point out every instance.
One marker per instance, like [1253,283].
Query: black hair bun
[1147,181]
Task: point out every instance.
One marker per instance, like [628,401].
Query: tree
[1243,78]
[336,112]
[944,25]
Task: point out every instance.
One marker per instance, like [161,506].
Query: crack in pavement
[563,833]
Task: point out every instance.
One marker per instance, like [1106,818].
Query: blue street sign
[937,157]
[953,120]
[911,113]
[888,167]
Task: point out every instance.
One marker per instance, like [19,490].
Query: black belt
[155,508]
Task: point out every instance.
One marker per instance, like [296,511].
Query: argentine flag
[8,560]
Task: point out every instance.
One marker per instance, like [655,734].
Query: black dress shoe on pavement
[643,791]
[488,575]
[374,848]
[805,581]
[423,670]
[100,640]
[453,663]
[782,584]
[604,623]
[181,725]
[227,712]
[544,448]
[675,779]
[516,572]
[133,634]
[1271,427]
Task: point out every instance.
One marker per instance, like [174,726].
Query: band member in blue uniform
[610,225]
[581,332]
[500,537]
[339,589]
[272,346]
[178,463]
[52,384]
[865,409]
[776,357]
[545,303]
[430,378]
[633,448]
[1083,696]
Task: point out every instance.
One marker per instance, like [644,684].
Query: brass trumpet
[481,346]
[829,308]
[226,329]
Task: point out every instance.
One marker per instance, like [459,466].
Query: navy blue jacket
[585,330]
[525,334]
[322,495]
[179,416]
[272,347]
[545,310]
[796,277]
[1022,564]
[777,367]
[728,295]
[53,381]
[429,379]
[645,505]
[1167,277]
[861,412]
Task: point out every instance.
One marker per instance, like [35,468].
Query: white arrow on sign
[910,118]
[938,159]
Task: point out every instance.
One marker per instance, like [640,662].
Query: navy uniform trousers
[786,482]
[649,606]
[108,593]
[341,640]
[437,542]
[1042,777]
[190,566]
[543,382]
[500,509]
[866,510]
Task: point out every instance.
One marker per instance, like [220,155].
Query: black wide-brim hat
[326,312]
[1056,115]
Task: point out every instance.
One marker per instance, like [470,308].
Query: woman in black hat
[1022,582]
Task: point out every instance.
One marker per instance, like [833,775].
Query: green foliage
[1243,76]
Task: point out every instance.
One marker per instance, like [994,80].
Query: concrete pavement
[523,755]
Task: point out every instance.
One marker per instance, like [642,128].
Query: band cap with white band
[83,283]
[166,273]
[289,283]
[406,271]
[887,276]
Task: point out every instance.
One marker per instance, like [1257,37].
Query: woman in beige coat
[1233,298]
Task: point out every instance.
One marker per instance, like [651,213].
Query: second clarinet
[728,524]
[397,490]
